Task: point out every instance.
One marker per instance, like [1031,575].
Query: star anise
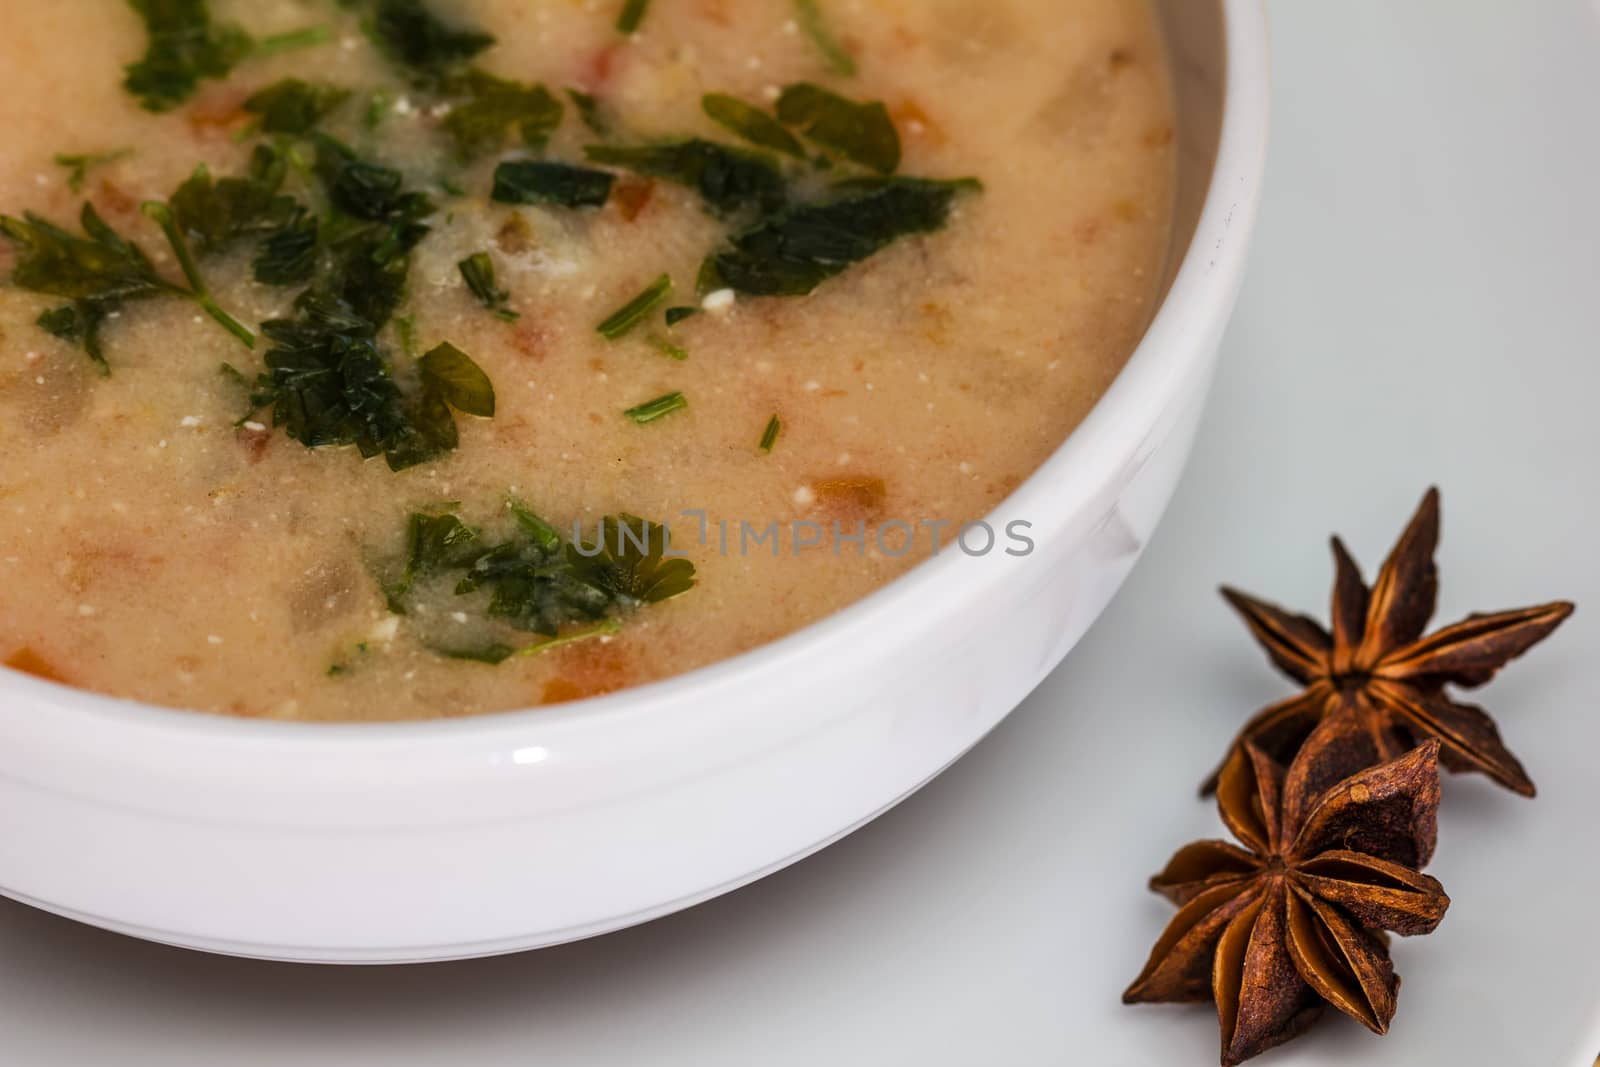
[1377,663]
[1292,922]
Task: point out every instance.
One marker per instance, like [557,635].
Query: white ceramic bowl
[462,838]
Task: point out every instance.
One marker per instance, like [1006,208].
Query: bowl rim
[1199,295]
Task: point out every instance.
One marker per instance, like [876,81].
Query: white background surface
[1423,306]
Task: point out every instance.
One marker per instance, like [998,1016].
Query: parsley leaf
[862,133]
[730,180]
[99,271]
[589,111]
[630,562]
[792,253]
[79,165]
[213,214]
[633,12]
[815,24]
[288,255]
[79,324]
[477,270]
[751,123]
[530,582]
[185,47]
[100,267]
[292,106]
[370,191]
[486,109]
[529,181]
[329,384]
[410,34]
[459,382]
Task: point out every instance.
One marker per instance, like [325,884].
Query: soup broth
[906,245]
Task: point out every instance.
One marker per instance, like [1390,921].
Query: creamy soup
[331,428]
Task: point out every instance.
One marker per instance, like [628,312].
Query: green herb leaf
[370,191]
[487,110]
[588,109]
[527,181]
[458,381]
[477,270]
[668,349]
[605,628]
[327,382]
[288,255]
[293,40]
[752,124]
[78,324]
[545,535]
[163,215]
[730,180]
[658,408]
[79,165]
[635,311]
[630,561]
[815,24]
[792,253]
[769,437]
[435,543]
[862,133]
[212,214]
[410,34]
[535,582]
[293,106]
[101,267]
[678,314]
[633,12]
[184,48]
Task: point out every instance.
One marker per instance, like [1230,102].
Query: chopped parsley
[486,112]
[531,181]
[793,252]
[633,12]
[79,165]
[815,24]
[99,271]
[411,35]
[288,255]
[308,37]
[530,581]
[659,408]
[769,436]
[588,109]
[293,106]
[328,383]
[668,349]
[212,214]
[751,123]
[678,314]
[186,47]
[635,311]
[861,133]
[730,180]
[78,324]
[477,270]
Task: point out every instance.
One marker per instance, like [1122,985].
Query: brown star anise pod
[1275,931]
[1377,663]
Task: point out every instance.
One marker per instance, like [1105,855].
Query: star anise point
[1293,920]
[1375,654]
